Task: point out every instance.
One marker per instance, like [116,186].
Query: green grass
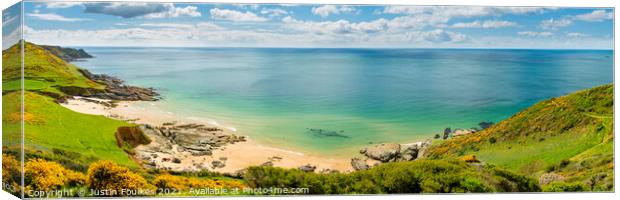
[49,125]
[42,71]
[537,139]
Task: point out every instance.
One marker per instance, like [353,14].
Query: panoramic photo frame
[171,99]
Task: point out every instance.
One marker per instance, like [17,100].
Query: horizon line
[288,47]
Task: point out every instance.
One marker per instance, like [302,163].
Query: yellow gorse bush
[45,175]
[105,175]
[167,181]
[11,174]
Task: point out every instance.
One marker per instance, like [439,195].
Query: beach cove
[323,111]
[239,155]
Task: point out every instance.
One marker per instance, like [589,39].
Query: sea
[332,102]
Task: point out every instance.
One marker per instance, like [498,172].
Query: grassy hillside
[50,126]
[570,135]
[51,130]
[43,71]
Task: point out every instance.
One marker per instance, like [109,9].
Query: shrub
[105,175]
[11,173]
[422,176]
[45,175]
[470,159]
[564,187]
[180,183]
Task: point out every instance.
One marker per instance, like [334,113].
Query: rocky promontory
[115,89]
[389,152]
[183,147]
[66,53]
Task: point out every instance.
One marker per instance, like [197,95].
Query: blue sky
[263,25]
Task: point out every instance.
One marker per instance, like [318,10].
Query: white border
[558,3]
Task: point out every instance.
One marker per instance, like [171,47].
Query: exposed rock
[549,178]
[328,171]
[217,164]
[446,133]
[409,152]
[307,168]
[176,160]
[359,164]
[115,89]
[267,164]
[390,152]
[184,142]
[485,125]
[423,146]
[461,132]
[383,152]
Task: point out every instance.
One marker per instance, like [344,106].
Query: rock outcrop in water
[326,133]
[174,146]
[389,152]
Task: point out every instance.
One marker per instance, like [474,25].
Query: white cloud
[437,35]
[201,26]
[190,11]
[576,35]
[338,27]
[460,11]
[236,16]
[62,4]
[553,24]
[54,17]
[380,28]
[485,24]
[141,9]
[535,34]
[276,12]
[326,10]
[248,6]
[595,16]
[166,25]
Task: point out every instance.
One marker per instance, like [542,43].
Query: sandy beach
[238,156]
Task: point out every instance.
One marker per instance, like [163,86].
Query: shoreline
[238,156]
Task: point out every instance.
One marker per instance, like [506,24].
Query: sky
[320,26]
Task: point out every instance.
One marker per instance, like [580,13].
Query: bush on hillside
[11,174]
[105,175]
[42,175]
[423,176]
[180,183]
[564,187]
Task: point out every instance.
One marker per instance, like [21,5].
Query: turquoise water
[355,96]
